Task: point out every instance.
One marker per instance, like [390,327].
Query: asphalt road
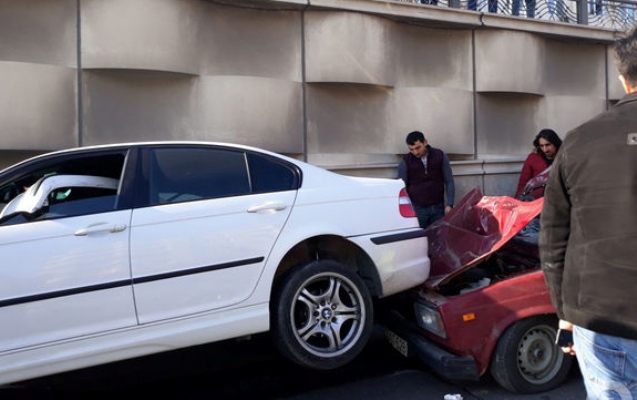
[253,370]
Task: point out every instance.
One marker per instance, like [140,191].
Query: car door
[208,228]
[65,269]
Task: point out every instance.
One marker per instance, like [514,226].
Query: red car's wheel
[526,359]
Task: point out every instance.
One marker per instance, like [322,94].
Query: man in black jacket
[588,239]
[428,178]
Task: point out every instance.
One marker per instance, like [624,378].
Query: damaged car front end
[485,307]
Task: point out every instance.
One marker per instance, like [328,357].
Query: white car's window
[73,201]
[100,165]
[270,175]
[57,196]
[186,174]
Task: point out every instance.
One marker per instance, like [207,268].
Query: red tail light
[404,204]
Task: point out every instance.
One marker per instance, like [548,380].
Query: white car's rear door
[203,255]
[203,240]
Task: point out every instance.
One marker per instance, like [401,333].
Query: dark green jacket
[588,236]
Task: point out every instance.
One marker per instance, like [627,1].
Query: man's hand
[448,209]
[567,326]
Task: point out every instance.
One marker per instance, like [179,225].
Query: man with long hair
[545,147]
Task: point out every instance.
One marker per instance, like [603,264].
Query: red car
[485,307]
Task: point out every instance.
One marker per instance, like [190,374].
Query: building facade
[338,83]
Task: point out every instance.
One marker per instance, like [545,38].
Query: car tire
[322,315]
[526,359]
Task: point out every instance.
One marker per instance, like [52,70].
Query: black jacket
[588,236]
[425,185]
[428,186]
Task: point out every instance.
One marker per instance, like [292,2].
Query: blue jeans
[429,214]
[556,7]
[492,5]
[608,365]
[530,8]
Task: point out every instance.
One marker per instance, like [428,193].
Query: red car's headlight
[430,320]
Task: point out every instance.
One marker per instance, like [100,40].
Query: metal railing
[611,14]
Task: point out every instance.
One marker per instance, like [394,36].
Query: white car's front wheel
[322,315]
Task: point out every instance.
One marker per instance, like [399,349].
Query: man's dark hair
[414,137]
[550,136]
[626,56]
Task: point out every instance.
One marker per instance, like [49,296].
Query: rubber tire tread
[504,365]
[281,325]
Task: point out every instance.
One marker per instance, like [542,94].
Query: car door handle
[100,227]
[267,208]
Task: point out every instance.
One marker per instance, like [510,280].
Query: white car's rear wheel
[322,316]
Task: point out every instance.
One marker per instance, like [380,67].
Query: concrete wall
[338,83]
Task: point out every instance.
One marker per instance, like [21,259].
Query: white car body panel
[221,231]
[352,214]
[354,205]
[91,289]
[50,258]
[127,343]
[397,267]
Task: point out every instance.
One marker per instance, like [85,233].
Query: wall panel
[157,35]
[433,57]
[253,111]
[509,61]
[349,47]
[575,69]
[126,106]
[39,31]
[445,116]
[348,118]
[236,41]
[508,122]
[37,106]
[564,113]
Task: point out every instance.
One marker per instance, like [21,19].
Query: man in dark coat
[588,239]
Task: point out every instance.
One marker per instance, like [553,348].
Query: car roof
[128,145]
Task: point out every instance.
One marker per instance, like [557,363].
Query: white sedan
[118,251]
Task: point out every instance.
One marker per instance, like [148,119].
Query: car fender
[484,354]
[523,309]
[283,245]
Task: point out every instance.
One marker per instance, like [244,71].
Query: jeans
[492,5]
[530,234]
[429,214]
[557,7]
[608,365]
[530,8]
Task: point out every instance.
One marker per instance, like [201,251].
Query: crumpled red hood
[476,227]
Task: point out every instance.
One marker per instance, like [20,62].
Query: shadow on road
[252,369]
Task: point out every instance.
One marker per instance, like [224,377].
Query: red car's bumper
[404,335]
